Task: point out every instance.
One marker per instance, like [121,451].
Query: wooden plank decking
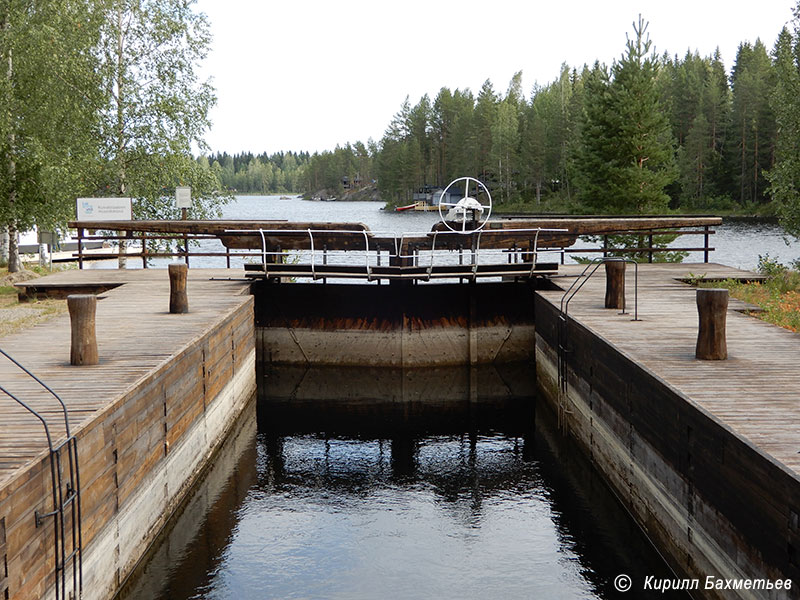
[135,334]
[756,392]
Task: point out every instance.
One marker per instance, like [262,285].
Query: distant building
[351,185]
[433,195]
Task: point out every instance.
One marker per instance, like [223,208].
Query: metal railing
[425,251]
[647,238]
[563,322]
[66,496]
[145,245]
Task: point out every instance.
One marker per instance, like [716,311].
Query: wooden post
[184,216]
[712,309]
[80,247]
[178,300]
[615,284]
[82,309]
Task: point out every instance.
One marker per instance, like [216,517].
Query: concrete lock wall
[394,326]
[711,502]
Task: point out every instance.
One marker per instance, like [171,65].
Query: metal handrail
[399,243]
[569,294]
[60,500]
[144,255]
[583,278]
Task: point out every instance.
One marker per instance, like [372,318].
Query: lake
[737,242]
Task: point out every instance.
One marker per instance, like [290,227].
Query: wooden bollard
[712,310]
[615,284]
[178,300]
[82,309]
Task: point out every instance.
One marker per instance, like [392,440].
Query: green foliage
[101,97]
[47,110]
[650,134]
[751,144]
[784,177]
[264,173]
[155,107]
[777,297]
[694,280]
[330,172]
[627,159]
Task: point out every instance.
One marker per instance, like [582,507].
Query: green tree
[155,107]
[505,142]
[751,145]
[452,136]
[46,112]
[545,137]
[628,156]
[784,177]
[484,120]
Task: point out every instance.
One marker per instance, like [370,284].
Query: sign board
[183,197]
[48,237]
[104,209]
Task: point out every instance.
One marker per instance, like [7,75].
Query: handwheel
[467,205]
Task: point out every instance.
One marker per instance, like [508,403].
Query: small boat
[285,198]
[409,207]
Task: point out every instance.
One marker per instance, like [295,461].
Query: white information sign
[183,197]
[104,209]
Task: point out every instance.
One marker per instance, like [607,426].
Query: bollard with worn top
[82,310]
[178,300]
[712,309]
[615,284]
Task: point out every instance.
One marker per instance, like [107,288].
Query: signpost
[183,200]
[50,239]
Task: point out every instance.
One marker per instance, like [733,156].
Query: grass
[17,316]
[778,296]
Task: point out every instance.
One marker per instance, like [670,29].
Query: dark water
[440,499]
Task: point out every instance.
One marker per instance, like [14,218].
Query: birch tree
[156,106]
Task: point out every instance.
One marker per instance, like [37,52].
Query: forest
[649,133]
[710,136]
[264,173]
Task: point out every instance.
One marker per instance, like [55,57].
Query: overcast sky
[308,74]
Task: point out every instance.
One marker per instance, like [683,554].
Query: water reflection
[457,498]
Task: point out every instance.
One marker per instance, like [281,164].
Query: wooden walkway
[135,334]
[756,392]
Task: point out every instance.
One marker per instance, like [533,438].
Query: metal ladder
[563,318]
[66,499]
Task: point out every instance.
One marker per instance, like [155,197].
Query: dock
[165,384]
[755,391]
[705,454]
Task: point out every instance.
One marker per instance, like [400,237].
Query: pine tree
[751,144]
[485,117]
[628,157]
